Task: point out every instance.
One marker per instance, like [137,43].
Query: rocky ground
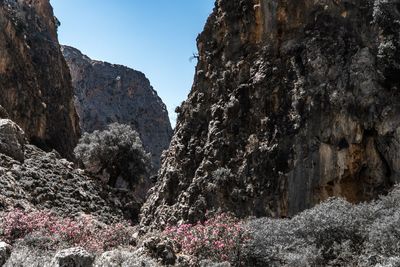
[24,256]
[77,257]
[334,233]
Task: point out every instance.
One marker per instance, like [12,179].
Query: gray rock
[297,102]
[3,113]
[25,257]
[208,263]
[5,252]
[107,93]
[123,258]
[161,248]
[73,257]
[12,139]
[76,257]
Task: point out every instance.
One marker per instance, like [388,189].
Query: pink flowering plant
[219,238]
[84,231]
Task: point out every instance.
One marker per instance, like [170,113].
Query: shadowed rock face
[107,93]
[296,101]
[35,84]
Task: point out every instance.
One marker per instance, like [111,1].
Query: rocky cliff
[34,79]
[107,93]
[292,102]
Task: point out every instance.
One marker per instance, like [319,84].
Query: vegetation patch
[44,230]
[220,238]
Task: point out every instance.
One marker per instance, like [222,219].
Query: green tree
[116,154]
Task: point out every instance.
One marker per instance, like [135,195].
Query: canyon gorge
[290,134]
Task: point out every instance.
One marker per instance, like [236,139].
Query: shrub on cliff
[116,154]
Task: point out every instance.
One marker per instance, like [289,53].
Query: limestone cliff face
[107,93]
[35,83]
[292,102]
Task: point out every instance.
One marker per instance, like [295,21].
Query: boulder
[5,252]
[161,248]
[73,257]
[208,263]
[125,259]
[12,139]
[3,113]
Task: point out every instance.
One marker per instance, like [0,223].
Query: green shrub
[116,154]
[334,233]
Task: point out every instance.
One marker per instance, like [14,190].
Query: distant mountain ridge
[107,93]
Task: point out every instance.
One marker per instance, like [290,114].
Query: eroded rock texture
[107,93]
[35,83]
[34,179]
[293,102]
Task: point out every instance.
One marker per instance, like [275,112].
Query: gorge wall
[35,82]
[107,93]
[292,102]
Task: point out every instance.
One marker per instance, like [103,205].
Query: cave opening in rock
[343,144]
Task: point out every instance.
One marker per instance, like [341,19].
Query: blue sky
[155,37]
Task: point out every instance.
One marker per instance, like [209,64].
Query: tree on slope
[116,155]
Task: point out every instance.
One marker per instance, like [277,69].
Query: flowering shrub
[219,238]
[84,231]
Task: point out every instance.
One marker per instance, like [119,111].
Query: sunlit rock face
[35,84]
[107,93]
[292,102]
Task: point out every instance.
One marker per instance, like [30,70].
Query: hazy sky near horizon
[156,37]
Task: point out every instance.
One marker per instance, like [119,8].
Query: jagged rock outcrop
[12,139]
[292,102]
[35,83]
[107,93]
